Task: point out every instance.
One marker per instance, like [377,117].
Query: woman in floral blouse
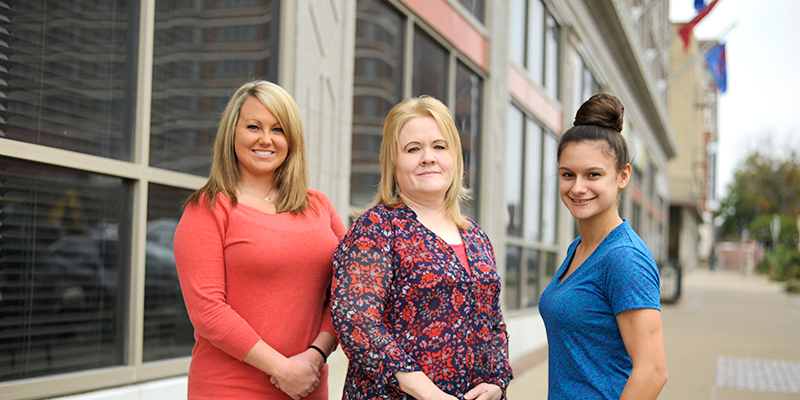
[415,293]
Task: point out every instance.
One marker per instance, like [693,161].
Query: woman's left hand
[484,391]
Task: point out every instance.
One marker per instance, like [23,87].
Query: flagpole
[696,56]
[653,52]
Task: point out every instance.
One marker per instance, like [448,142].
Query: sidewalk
[730,337]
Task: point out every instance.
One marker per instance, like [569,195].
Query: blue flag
[699,4]
[716,64]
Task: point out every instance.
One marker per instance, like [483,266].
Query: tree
[762,186]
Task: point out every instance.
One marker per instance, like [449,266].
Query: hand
[419,386]
[484,391]
[297,377]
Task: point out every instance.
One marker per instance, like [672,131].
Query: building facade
[692,104]
[109,109]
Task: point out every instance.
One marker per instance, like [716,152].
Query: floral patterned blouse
[401,301]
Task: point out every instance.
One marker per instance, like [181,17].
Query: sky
[760,109]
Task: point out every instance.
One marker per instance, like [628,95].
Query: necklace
[266,198]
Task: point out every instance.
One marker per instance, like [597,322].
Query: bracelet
[322,353]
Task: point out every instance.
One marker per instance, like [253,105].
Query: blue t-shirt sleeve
[632,280]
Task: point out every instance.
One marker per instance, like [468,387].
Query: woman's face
[589,182]
[425,167]
[259,141]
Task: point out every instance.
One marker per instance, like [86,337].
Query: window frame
[526,244]
[414,23]
[140,174]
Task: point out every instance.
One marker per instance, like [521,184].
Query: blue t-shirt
[587,357]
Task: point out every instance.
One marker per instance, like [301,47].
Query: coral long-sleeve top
[248,275]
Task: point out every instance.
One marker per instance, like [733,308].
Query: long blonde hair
[291,177]
[408,109]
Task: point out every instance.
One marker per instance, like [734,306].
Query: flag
[699,4]
[716,64]
[686,29]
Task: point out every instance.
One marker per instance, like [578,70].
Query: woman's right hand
[297,377]
[419,386]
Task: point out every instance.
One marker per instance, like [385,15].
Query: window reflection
[68,73]
[550,196]
[513,177]
[512,293]
[200,56]
[469,88]
[168,332]
[532,287]
[533,181]
[63,269]
[430,67]
[475,7]
[378,85]
[516,39]
[531,192]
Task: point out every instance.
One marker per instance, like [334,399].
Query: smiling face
[260,144]
[424,165]
[589,182]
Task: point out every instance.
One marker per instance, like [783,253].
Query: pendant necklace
[266,198]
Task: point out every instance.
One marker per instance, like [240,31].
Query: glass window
[63,269]
[550,266]
[550,195]
[553,48]
[168,333]
[516,36]
[475,7]
[535,54]
[430,67]
[200,64]
[532,286]
[468,122]
[69,76]
[513,177]
[636,218]
[378,86]
[533,180]
[531,191]
[380,83]
[511,287]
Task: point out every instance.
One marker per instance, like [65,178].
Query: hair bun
[603,110]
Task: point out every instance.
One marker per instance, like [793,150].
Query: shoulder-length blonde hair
[408,109]
[291,176]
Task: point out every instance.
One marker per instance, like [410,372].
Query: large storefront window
[377,87]
[379,84]
[168,333]
[200,56]
[430,67]
[68,74]
[535,43]
[468,116]
[64,249]
[531,192]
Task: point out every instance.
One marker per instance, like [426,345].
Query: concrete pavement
[730,337]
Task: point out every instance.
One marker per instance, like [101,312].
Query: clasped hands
[299,375]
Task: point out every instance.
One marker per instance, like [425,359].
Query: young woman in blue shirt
[602,309]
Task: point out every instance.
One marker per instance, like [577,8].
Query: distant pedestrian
[712,260]
[602,309]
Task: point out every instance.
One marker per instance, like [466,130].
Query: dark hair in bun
[599,119]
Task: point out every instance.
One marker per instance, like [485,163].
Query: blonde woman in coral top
[253,250]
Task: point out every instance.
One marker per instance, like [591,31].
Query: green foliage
[787,263]
[762,186]
[760,230]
